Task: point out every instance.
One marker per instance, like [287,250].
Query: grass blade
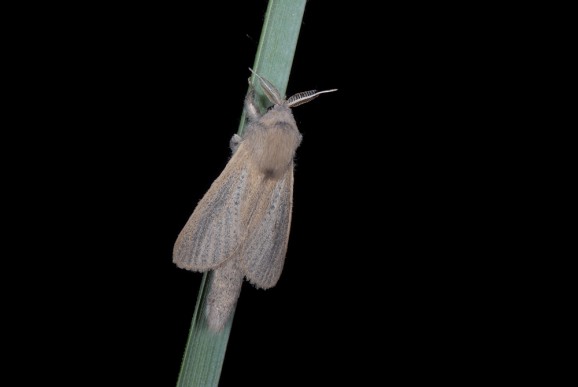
[205,351]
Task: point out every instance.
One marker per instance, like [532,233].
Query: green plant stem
[205,351]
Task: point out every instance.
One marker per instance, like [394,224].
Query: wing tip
[188,265]
[271,282]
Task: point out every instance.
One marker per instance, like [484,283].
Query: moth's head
[295,100]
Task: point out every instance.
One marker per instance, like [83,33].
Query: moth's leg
[250,106]
[234,143]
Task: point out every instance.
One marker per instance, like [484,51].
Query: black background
[388,246]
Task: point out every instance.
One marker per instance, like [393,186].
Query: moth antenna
[304,97]
[270,91]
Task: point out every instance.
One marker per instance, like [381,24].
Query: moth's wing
[263,251]
[214,230]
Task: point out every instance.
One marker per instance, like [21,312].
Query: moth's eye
[270,107]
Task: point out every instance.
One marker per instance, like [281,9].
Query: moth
[240,228]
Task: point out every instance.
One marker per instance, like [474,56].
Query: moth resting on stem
[240,228]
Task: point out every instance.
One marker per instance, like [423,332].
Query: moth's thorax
[272,141]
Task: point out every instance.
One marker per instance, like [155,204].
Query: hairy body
[240,228]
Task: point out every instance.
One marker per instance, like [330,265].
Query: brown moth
[240,228]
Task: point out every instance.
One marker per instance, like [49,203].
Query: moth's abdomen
[225,287]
